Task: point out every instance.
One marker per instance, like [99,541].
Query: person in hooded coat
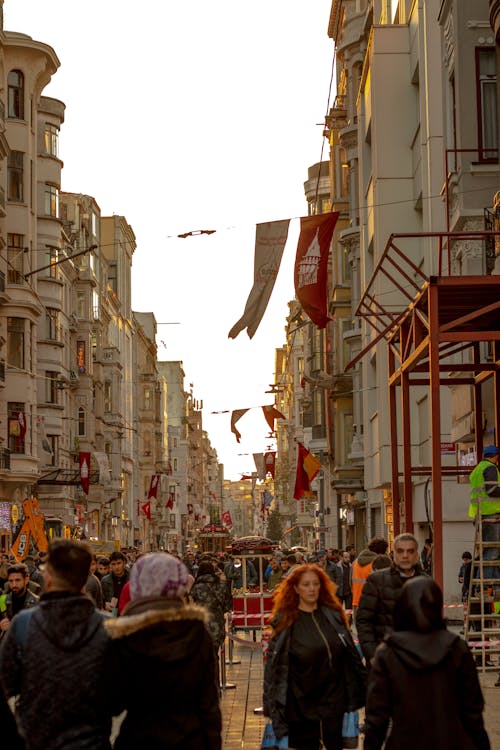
[163,653]
[209,591]
[423,683]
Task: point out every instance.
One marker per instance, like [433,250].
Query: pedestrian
[374,616]
[362,566]
[102,567]
[163,653]
[464,574]
[34,574]
[313,673]
[54,659]
[426,556]
[113,583]
[484,483]
[18,597]
[93,585]
[423,690]
[275,574]
[233,571]
[332,570]
[344,592]
[210,592]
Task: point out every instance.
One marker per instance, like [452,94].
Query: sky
[191,115]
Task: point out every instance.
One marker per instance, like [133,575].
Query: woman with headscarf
[313,672]
[163,663]
[423,690]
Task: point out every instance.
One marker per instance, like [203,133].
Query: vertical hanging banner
[270,461]
[146,509]
[260,465]
[311,265]
[226,519]
[270,240]
[153,487]
[85,471]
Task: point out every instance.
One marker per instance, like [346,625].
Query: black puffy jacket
[276,673]
[375,613]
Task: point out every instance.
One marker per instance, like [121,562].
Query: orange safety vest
[359,575]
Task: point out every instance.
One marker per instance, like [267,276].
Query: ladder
[482,617]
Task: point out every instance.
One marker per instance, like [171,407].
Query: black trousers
[307,734]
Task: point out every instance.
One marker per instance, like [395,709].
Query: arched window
[81,422]
[16,95]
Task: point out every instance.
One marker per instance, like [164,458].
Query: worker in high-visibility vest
[485,488]
[362,566]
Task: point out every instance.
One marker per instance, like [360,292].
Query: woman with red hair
[313,672]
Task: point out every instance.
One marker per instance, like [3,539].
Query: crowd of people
[86,638]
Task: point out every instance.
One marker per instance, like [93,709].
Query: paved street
[243,729]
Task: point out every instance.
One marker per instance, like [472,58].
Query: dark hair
[18,568]
[206,568]
[70,562]
[378,544]
[117,555]
[466,555]
[381,561]
[291,559]
[420,606]
[102,560]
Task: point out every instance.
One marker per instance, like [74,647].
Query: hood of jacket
[68,621]
[421,651]
[159,627]
[365,557]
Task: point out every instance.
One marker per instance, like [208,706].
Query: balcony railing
[4,459]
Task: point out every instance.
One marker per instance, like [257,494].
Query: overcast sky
[193,115]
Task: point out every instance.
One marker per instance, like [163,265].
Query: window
[53,442]
[486,104]
[51,389]
[81,422]
[51,259]
[81,305]
[15,342]
[51,200]
[108,401]
[175,464]
[148,398]
[15,176]
[15,82]
[51,139]
[17,426]
[53,327]
[95,305]
[15,258]
[80,356]
[147,443]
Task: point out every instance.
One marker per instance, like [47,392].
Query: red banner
[171,499]
[153,487]
[85,471]
[226,519]
[311,265]
[307,468]
[270,460]
[146,509]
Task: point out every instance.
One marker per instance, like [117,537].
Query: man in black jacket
[113,583]
[374,617]
[55,660]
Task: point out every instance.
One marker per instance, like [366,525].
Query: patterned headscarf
[158,574]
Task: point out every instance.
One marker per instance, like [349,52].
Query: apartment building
[415,113]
